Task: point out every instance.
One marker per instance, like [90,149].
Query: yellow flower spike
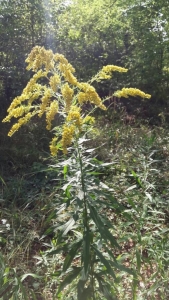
[112,68]
[53,110]
[53,146]
[90,95]
[106,71]
[17,101]
[67,71]
[54,82]
[60,58]
[103,75]
[74,116]
[39,57]
[21,122]
[67,136]
[89,120]
[67,94]
[45,100]
[126,92]
[70,78]
[82,98]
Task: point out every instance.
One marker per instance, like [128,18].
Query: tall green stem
[85,213]
[85,218]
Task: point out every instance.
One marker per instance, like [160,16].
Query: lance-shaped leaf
[68,226]
[105,262]
[69,278]
[103,230]
[86,250]
[82,292]
[7,287]
[116,264]
[105,289]
[72,253]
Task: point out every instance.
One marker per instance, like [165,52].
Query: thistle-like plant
[81,208]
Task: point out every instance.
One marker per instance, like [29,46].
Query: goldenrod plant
[53,90]
[84,233]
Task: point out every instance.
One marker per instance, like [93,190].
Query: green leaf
[137,179]
[5,289]
[61,248]
[134,288]
[23,290]
[32,275]
[68,226]
[103,230]
[105,289]
[131,188]
[86,250]
[105,262]
[83,293]
[116,264]
[138,257]
[65,170]
[2,180]
[71,255]
[69,278]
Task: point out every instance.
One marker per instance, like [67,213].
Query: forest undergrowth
[132,164]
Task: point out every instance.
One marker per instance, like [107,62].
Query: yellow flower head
[53,146]
[40,57]
[45,100]
[126,92]
[67,70]
[54,82]
[21,122]
[74,116]
[106,71]
[112,68]
[60,57]
[89,120]
[67,136]
[50,114]
[67,94]
[90,95]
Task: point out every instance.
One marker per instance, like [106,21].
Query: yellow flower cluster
[53,146]
[126,92]
[106,71]
[74,116]
[54,82]
[90,95]
[67,94]
[89,120]
[21,122]
[59,77]
[40,57]
[67,70]
[45,100]
[52,111]
[16,112]
[112,68]
[16,102]
[67,136]
[60,57]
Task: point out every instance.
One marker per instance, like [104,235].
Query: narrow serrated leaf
[32,275]
[86,250]
[69,278]
[72,253]
[105,233]
[105,262]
